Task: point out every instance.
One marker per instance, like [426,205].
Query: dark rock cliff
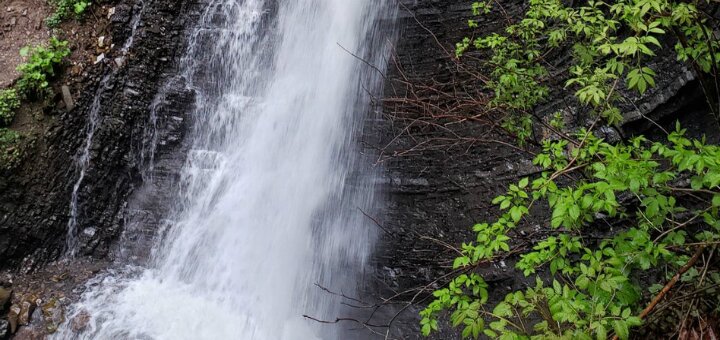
[36,197]
[446,160]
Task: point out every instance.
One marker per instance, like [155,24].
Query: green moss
[9,102]
[10,148]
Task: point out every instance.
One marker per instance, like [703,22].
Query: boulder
[27,307]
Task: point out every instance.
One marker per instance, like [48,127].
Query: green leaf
[524,182]
[574,212]
[516,214]
[621,329]
[503,310]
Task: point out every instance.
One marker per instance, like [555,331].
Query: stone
[89,231]
[111,11]
[5,295]
[27,308]
[100,58]
[13,318]
[101,41]
[53,315]
[80,322]
[67,98]
[28,333]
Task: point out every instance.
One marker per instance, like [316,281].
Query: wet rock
[28,333]
[80,322]
[13,318]
[53,315]
[27,308]
[121,14]
[67,98]
[41,187]
[100,58]
[4,329]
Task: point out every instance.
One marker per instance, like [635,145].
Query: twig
[377,223]
[670,284]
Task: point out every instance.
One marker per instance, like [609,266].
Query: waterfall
[271,196]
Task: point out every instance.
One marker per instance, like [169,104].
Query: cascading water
[272,191]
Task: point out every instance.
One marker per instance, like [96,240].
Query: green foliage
[10,150]
[65,8]
[9,102]
[594,289]
[613,44]
[589,288]
[40,66]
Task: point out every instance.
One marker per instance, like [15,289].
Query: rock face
[441,179]
[35,200]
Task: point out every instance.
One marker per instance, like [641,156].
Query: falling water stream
[272,191]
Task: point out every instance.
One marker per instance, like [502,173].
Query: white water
[271,191]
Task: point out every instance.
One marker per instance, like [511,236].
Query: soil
[21,24]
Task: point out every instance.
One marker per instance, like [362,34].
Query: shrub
[10,148]
[64,8]
[9,102]
[659,200]
[40,66]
